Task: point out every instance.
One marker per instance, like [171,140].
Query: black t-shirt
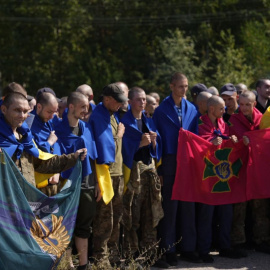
[261,108]
[88,182]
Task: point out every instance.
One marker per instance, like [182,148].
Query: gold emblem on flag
[55,241]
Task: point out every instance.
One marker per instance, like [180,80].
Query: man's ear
[4,109]
[255,103]
[39,107]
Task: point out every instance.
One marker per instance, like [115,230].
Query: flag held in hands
[207,173]
[35,229]
[229,173]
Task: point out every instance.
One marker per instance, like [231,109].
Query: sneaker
[191,256]
[207,258]
[171,259]
[232,253]
[263,247]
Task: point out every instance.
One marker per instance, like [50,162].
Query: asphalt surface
[255,260]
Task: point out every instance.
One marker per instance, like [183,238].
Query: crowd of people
[128,147]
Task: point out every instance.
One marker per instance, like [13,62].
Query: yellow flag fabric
[265,121]
[41,178]
[105,182]
[127,172]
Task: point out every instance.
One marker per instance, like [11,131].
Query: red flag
[207,173]
[258,169]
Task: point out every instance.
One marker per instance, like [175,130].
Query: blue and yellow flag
[35,229]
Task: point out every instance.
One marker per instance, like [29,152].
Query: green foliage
[63,44]
[175,53]
[231,63]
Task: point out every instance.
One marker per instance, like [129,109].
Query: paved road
[255,260]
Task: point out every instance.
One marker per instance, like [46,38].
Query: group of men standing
[129,159]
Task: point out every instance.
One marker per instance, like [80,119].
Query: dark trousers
[205,228]
[167,226]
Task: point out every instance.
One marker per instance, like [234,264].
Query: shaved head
[86,90]
[203,96]
[214,100]
[248,94]
[123,87]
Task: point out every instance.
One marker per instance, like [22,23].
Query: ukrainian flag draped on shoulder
[13,146]
[41,132]
[35,229]
[132,138]
[70,143]
[102,131]
[167,122]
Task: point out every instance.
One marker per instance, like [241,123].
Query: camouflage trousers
[260,221]
[106,226]
[142,234]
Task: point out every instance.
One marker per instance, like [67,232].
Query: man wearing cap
[108,133]
[263,98]
[173,113]
[196,90]
[229,95]
[42,129]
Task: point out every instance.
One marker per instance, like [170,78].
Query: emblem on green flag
[224,170]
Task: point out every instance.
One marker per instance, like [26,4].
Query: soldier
[44,135]
[213,129]
[73,134]
[141,143]
[17,140]
[150,106]
[108,133]
[173,113]
[248,118]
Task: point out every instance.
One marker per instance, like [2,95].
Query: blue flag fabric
[167,122]
[102,130]
[41,132]
[35,229]
[133,136]
[11,145]
[70,143]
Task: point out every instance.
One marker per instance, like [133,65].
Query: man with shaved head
[86,90]
[173,113]
[213,90]
[44,135]
[17,140]
[151,105]
[202,99]
[125,106]
[156,96]
[74,133]
[248,118]
[212,128]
